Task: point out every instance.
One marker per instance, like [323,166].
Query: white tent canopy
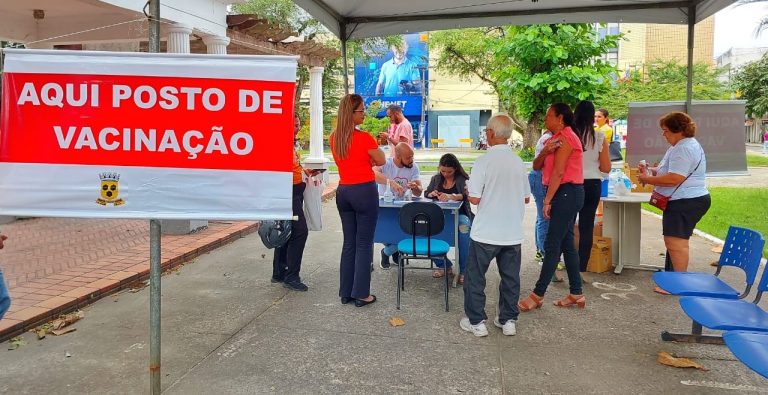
[363,18]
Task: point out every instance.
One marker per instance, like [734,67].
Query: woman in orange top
[357,199]
[286,263]
[563,179]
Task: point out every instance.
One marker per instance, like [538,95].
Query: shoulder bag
[660,201]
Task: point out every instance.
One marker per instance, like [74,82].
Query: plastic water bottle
[389,197]
[613,176]
[623,184]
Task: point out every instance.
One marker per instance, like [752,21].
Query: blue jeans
[358,206]
[465,225]
[566,203]
[538,192]
[5,298]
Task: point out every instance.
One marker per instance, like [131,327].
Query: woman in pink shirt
[563,179]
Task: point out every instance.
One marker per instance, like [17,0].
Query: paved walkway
[56,265]
[227,329]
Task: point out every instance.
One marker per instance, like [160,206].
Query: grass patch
[745,207]
[757,160]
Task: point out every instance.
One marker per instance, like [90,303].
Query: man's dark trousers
[508,261]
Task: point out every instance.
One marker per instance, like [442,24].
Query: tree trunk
[532,131]
[300,82]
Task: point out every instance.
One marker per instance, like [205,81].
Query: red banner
[196,123]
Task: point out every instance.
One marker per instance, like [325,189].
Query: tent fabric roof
[365,18]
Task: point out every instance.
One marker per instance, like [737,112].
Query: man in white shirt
[498,185]
[400,129]
[401,174]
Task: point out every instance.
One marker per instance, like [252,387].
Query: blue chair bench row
[713,304]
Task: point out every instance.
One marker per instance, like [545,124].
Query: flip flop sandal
[439,273]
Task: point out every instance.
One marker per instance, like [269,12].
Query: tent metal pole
[689,82]
[345,67]
[154,242]
[345,70]
[154,305]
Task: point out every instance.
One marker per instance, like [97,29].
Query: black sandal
[361,302]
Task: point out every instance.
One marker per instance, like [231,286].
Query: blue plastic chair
[421,220]
[727,314]
[751,348]
[743,249]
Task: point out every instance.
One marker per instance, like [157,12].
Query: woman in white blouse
[596,161]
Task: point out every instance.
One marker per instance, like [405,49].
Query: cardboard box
[636,186]
[597,231]
[601,259]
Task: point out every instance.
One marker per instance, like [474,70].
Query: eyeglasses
[363,111]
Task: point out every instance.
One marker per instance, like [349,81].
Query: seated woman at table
[450,184]
[680,176]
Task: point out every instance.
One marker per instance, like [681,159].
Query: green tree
[751,81]
[529,67]
[287,14]
[374,125]
[661,81]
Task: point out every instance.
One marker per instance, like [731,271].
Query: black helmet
[275,233]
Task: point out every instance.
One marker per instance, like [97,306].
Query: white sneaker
[478,330]
[509,328]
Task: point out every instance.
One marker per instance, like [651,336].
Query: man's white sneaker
[478,330]
[509,328]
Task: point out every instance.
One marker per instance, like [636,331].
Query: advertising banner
[136,135]
[719,130]
[395,75]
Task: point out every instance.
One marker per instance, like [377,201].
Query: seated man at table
[401,174]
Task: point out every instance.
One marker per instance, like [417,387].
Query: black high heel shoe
[346,300]
[361,303]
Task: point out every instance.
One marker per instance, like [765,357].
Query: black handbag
[614,149]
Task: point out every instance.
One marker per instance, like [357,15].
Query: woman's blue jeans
[538,192]
[566,203]
[465,225]
[358,206]
[5,298]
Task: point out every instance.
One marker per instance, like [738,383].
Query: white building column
[178,42]
[316,159]
[178,38]
[216,45]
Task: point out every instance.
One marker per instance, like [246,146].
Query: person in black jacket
[450,183]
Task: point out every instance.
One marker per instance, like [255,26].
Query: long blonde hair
[345,125]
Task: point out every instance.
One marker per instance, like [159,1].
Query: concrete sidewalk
[56,265]
[226,329]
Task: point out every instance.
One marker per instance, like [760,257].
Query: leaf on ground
[66,320]
[40,332]
[59,332]
[16,342]
[137,286]
[668,359]
[717,249]
[396,321]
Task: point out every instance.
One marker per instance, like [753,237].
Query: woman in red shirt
[563,179]
[357,199]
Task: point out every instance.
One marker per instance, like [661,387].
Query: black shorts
[682,215]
